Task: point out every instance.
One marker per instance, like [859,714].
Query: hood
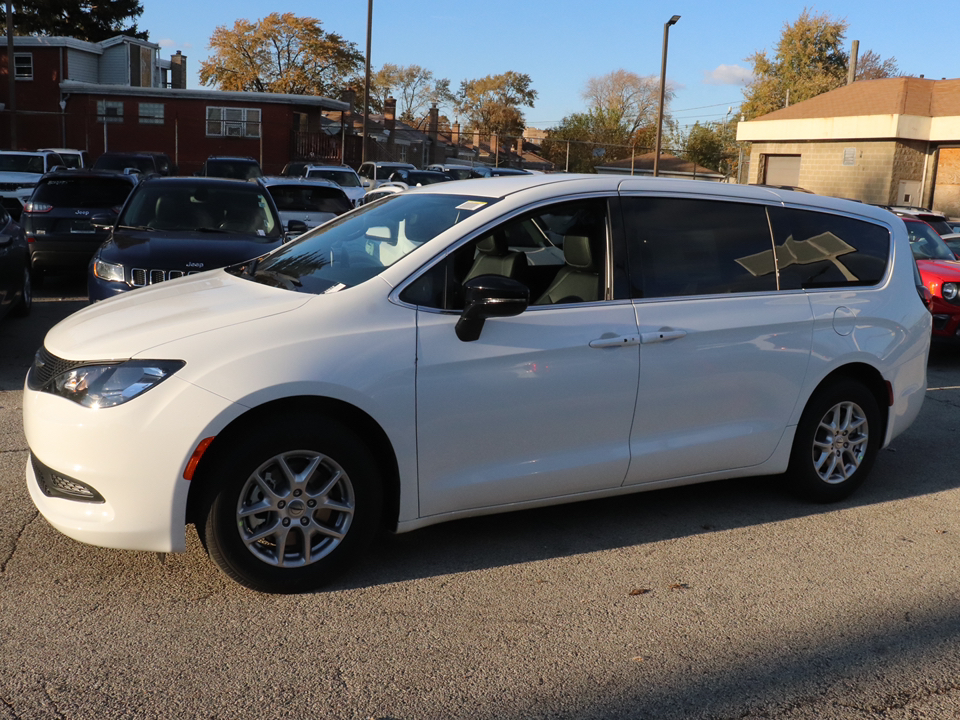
[945,269]
[21,178]
[130,324]
[183,251]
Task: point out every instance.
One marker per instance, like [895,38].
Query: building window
[23,66]
[151,113]
[233,122]
[403,153]
[109,111]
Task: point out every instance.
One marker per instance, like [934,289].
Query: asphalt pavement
[730,600]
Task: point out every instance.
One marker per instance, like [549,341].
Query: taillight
[32,206]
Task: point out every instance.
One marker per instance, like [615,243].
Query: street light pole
[663,81]
[366,83]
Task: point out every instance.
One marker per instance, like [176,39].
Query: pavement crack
[16,542]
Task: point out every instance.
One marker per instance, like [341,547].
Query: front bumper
[132,456]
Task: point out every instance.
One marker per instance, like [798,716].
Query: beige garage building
[890,141]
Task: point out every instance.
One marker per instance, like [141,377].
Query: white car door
[540,404]
[723,352]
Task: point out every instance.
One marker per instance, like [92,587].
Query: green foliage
[810,60]
[281,54]
[707,145]
[82,19]
[492,104]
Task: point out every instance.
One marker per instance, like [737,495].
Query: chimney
[390,122]
[178,71]
[390,114]
[455,134]
[852,70]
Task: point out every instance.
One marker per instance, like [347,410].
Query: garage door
[783,170]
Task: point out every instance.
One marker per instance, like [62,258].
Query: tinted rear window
[83,192]
[816,250]
[679,246]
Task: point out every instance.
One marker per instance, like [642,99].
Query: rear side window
[679,246]
[820,250]
[83,192]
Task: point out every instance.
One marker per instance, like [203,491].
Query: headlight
[108,385]
[949,291]
[107,271]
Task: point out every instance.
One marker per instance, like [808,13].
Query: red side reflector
[195,458]
[890,393]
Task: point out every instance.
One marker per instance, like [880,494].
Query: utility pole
[366,82]
[12,76]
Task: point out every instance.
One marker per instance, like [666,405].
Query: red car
[940,272]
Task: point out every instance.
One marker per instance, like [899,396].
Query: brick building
[119,95]
[889,141]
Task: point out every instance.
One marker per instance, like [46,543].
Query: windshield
[197,205]
[342,178]
[310,198]
[926,244]
[11,162]
[121,162]
[236,169]
[64,190]
[937,223]
[360,245]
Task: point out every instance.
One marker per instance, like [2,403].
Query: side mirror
[297,226]
[488,296]
[103,221]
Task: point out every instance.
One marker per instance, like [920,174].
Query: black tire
[836,442]
[326,504]
[25,303]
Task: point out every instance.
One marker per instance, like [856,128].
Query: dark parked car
[418,177]
[16,294]
[57,220]
[143,163]
[238,168]
[176,226]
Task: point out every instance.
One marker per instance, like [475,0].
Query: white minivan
[475,347]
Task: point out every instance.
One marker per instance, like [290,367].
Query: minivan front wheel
[293,507]
[836,442]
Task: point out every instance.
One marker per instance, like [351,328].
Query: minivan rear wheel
[293,506]
[836,442]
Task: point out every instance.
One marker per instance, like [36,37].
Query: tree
[281,54]
[709,145]
[82,19]
[414,88]
[809,61]
[871,67]
[492,103]
[625,101]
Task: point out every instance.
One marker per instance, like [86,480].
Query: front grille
[54,484]
[46,366]
[141,276]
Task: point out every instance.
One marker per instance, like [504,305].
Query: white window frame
[151,113]
[103,108]
[17,66]
[233,122]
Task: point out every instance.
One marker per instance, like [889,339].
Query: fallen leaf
[679,586]
[640,591]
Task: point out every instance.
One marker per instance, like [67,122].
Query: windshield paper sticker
[471,205]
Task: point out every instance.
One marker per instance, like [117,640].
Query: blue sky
[561,44]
